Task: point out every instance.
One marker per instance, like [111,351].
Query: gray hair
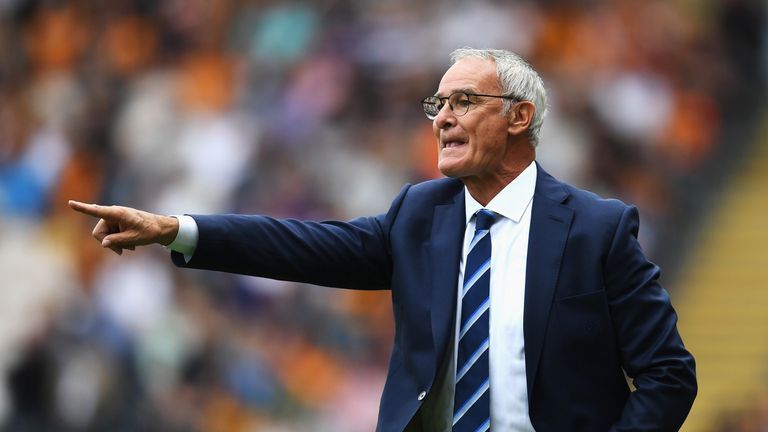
[518,79]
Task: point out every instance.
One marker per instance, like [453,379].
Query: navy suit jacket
[594,309]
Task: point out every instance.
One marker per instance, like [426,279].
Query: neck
[484,189]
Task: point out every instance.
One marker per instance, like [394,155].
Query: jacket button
[422,395]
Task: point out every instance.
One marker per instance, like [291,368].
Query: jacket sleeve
[651,350]
[354,254]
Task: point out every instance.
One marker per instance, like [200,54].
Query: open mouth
[453,144]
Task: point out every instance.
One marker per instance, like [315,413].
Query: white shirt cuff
[185,242]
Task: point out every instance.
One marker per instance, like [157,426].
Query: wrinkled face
[471,146]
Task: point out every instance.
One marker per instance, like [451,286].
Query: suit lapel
[550,224]
[444,251]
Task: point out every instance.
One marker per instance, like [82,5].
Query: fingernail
[106,243]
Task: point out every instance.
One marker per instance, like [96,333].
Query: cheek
[492,139]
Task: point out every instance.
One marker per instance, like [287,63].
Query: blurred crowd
[752,418]
[306,109]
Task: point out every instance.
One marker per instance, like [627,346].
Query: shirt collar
[511,201]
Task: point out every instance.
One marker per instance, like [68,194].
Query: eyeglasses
[459,103]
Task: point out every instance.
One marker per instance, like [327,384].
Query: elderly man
[521,303]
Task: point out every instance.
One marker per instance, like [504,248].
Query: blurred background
[310,109]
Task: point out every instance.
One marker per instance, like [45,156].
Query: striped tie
[472,408]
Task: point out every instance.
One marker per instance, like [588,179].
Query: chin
[449,171]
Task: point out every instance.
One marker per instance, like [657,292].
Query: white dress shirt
[509,256]
[185,242]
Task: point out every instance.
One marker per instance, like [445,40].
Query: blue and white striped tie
[472,407]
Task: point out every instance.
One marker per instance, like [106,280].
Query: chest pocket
[583,321]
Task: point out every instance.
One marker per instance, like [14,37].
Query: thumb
[124,239]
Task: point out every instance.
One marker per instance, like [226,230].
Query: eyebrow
[459,90]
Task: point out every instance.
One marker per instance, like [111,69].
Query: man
[520,302]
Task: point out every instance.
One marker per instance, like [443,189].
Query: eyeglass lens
[458,102]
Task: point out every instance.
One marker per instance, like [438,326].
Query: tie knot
[484,218]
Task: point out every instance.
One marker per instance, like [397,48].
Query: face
[472,147]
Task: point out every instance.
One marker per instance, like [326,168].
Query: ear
[520,117]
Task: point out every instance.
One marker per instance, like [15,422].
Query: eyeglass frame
[446,100]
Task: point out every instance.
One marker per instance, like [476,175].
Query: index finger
[92,209]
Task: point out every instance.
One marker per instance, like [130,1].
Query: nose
[445,117]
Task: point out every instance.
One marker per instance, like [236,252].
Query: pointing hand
[125,228]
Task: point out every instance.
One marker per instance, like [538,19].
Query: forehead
[470,73]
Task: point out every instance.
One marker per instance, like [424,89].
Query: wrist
[169,229]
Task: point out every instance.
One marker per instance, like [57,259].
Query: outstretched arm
[125,228]
[354,254]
